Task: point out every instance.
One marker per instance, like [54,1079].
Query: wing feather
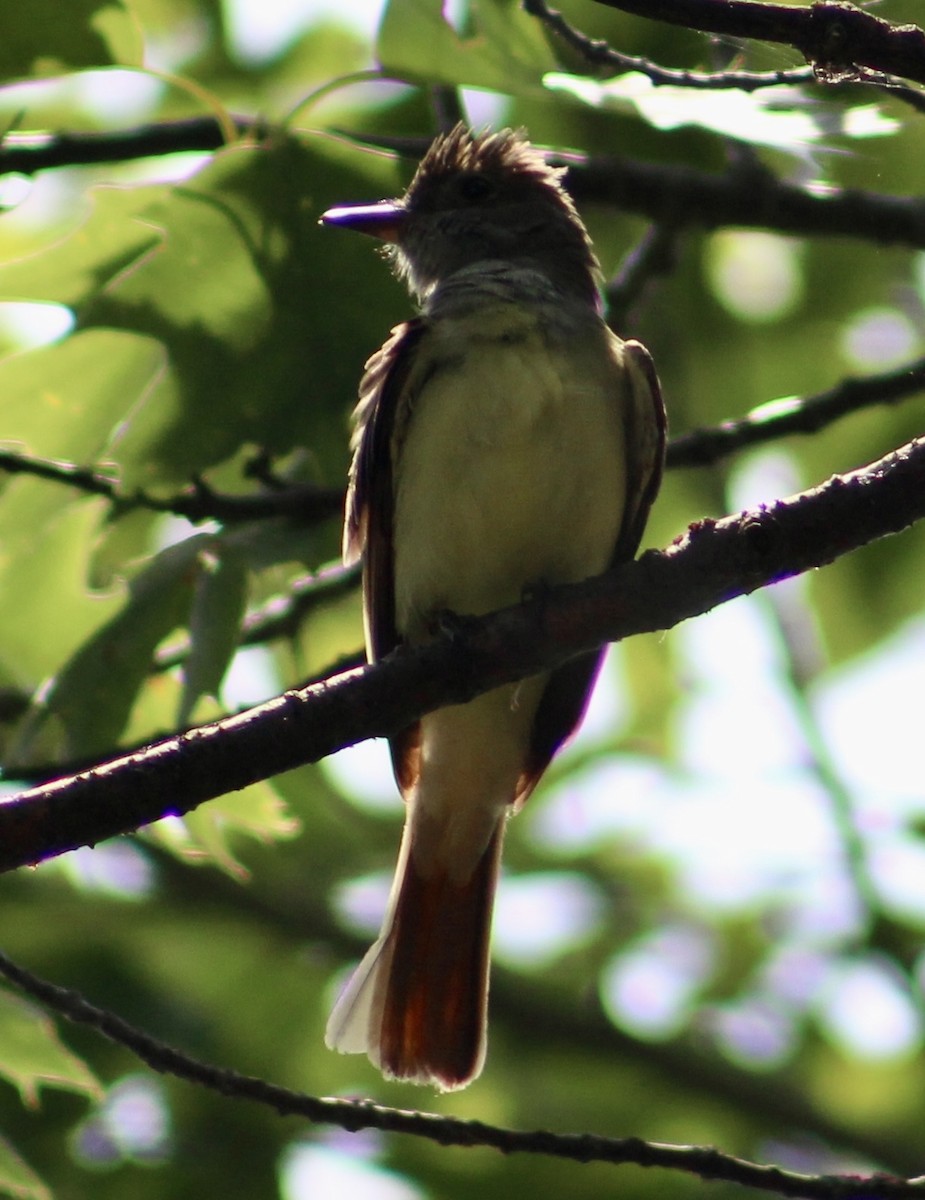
[383,406]
[566,695]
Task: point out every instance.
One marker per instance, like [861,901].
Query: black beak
[383,221]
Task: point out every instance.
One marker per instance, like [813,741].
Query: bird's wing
[384,403]
[646,432]
[566,695]
[370,495]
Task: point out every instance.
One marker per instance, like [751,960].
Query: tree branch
[792,414]
[654,254]
[281,617]
[571,1022]
[678,196]
[711,563]
[29,153]
[599,54]
[198,502]
[685,197]
[835,36]
[278,618]
[353,1115]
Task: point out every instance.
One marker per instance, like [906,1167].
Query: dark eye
[474,188]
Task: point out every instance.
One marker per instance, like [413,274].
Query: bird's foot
[444,622]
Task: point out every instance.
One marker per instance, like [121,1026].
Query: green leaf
[32,1056]
[219,601]
[62,402]
[90,700]
[65,402]
[109,237]
[216,272]
[257,812]
[49,38]
[43,587]
[505,50]
[17,1179]
[783,118]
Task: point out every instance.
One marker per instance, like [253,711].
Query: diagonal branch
[713,562]
[685,197]
[792,414]
[676,195]
[353,1115]
[29,153]
[833,35]
[282,616]
[198,502]
[597,53]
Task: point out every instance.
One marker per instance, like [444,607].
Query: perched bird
[505,441]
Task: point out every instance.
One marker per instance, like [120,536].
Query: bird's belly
[511,475]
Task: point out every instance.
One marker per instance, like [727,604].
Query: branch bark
[681,197]
[835,36]
[684,197]
[354,1115]
[714,561]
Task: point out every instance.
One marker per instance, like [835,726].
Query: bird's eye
[474,187]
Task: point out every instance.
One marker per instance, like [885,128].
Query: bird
[505,441]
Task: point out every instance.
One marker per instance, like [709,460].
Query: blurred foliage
[210,326]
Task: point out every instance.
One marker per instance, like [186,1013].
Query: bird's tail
[417,1002]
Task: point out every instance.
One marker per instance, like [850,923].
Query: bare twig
[686,197]
[653,255]
[280,617]
[198,502]
[353,1115]
[572,1022]
[679,196]
[29,153]
[779,418]
[794,625]
[601,56]
[838,38]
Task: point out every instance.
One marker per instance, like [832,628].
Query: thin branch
[572,1023]
[600,55]
[34,774]
[793,414]
[198,502]
[654,254]
[711,563]
[701,447]
[893,90]
[279,618]
[679,196]
[353,1115]
[794,624]
[447,105]
[836,37]
[29,153]
[685,197]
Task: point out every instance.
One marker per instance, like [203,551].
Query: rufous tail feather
[417,1002]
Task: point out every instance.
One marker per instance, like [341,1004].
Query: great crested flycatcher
[505,440]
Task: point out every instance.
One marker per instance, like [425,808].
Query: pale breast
[510,470]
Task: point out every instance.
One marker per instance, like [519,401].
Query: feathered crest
[477,196]
[506,154]
[507,151]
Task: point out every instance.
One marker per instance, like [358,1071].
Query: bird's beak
[382,221]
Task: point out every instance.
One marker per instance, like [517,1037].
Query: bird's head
[481,198]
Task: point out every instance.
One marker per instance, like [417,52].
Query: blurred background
[709,928]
